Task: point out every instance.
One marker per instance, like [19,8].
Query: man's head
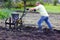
[37,3]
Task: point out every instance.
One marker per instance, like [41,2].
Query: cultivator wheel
[14,20]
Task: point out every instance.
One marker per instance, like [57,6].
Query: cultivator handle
[29,10]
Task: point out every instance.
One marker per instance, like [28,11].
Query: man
[44,15]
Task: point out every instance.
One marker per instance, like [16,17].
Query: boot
[51,30]
[40,29]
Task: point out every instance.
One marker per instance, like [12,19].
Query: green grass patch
[5,13]
[52,9]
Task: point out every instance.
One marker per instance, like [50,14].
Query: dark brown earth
[32,33]
[29,34]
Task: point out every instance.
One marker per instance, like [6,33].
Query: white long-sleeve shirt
[41,10]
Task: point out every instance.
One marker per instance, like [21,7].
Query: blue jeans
[46,19]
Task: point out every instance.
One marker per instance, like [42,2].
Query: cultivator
[15,20]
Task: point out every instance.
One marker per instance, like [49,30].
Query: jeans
[46,19]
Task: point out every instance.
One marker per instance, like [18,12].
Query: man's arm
[35,8]
[32,9]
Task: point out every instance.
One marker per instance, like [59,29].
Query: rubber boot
[40,29]
[51,30]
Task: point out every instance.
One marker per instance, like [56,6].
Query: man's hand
[32,8]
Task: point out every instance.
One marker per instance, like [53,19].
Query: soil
[31,33]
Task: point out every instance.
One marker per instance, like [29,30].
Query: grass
[5,13]
[52,9]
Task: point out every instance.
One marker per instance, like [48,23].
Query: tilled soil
[31,19]
[29,34]
[32,33]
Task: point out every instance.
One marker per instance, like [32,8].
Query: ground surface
[29,34]
[32,33]
[32,18]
